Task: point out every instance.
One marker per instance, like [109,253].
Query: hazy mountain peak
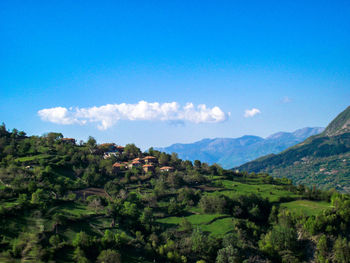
[230,152]
[307,132]
[278,135]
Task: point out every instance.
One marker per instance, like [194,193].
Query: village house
[107,155]
[166,169]
[117,167]
[126,164]
[150,159]
[135,163]
[148,168]
[120,149]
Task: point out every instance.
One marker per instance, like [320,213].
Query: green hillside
[63,202]
[322,160]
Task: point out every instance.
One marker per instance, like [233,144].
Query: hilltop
[231,152]
[322,160]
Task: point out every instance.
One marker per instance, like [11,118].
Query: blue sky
[289,60]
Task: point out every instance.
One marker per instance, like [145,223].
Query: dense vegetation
[322,160]
[63,202]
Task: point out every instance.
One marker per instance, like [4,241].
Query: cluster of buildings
[147,163]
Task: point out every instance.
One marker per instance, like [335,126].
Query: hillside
[63,202]
[231,152]
[322,160]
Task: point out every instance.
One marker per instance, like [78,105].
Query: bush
[109,256]
[212,204]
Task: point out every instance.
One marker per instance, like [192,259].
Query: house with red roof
[150,159]
[135,163]
[120,148]
[118,166]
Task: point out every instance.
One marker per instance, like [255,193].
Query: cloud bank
[251,113]
[108,115]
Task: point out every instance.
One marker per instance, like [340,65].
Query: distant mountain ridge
[231,152]
[322,160]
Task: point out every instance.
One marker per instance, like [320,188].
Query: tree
[280,238]
[173,208]
[54,241]
[228,255]
[109,256]
[130,209]
[91,144]
[216,169]
[174,159]
[341,250]
[38,197]
[82,240]
[163,159]
[185,225]
[204,245]
[3,130]
[174,180]
[131,151]
[212,204]
[53,137]
[79,256]
[58,219]
[321,249]
[146,216]
[197,164]
[159,188]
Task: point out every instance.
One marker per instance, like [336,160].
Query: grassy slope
[307,207]
[219,224]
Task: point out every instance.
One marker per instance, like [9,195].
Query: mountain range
[231,152]
[322,160]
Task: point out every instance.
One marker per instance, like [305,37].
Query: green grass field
[9,204]
[74,209]
[33,158]
[219,227]
[193,219]
[307,207]
[272,192]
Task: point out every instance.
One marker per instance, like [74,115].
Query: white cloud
[251,113]
[108,115]
[58,115]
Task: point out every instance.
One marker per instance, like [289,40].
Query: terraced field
[307,207]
